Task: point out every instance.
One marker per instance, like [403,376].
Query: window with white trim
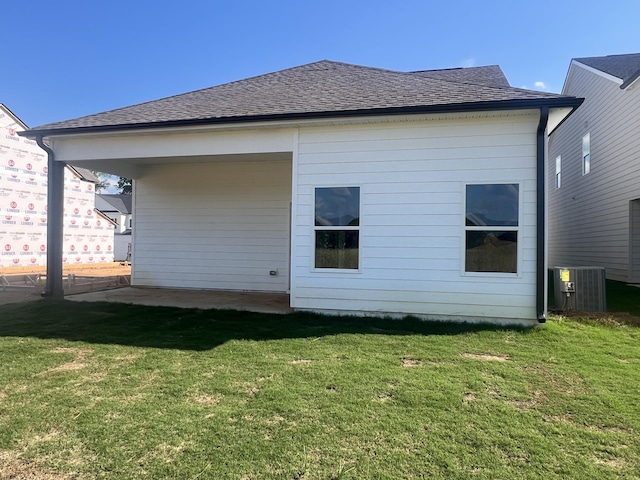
[337,227]
[558,171]
[492,227]
[586,154]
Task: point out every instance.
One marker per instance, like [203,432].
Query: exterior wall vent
[580,288]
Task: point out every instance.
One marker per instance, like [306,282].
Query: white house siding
[121,247]
[412,180]
[635,241]
[589,215]
[219,225]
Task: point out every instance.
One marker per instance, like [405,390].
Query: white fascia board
[289,124]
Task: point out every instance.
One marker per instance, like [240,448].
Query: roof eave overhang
[629,82]
[560,102]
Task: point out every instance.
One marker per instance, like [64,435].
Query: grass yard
[100,390]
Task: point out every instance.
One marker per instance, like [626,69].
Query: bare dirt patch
[207,400]
[28,283]
[487,357]
[537,398]
[411,362]
[469,397]
[301,361]
[384,397]
[23,470]
[78,363]
[603,318]
[13,467]
[567,382]
[613,463]
[89,270]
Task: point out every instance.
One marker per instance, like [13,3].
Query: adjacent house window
[491,228]
[337,227]
[558,171]
[586,154]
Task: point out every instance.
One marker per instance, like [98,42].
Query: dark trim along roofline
[560,102]
[630,80]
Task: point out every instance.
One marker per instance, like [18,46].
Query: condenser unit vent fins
[588,285]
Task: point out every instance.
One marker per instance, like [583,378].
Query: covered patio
[185,298]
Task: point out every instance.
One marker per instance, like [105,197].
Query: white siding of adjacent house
[412,178]
[589,215]
[219,225]
[635,241]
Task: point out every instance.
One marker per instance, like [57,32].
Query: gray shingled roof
[625,67]
[119,201]
[324,88]
[86,174]
[490,75]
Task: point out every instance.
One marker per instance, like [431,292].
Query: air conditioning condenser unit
[580,288]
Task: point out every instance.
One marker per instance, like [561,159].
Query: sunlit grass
[114,391]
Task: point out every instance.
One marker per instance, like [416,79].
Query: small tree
[103,181]
[125,185]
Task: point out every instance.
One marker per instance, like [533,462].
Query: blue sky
[67,58]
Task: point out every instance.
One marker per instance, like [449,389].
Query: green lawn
[100,390]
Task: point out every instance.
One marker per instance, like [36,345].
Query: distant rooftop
[86,174]
[626,67]
[120,202]
[490,75]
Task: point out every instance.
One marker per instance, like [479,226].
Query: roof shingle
[490,75]
[324,87]
[626,67]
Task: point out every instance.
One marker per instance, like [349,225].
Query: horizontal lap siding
[411,180]
[589,215]
[221,225]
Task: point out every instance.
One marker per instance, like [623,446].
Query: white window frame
[559,171]
[586,154]
[500,228]
[316,228]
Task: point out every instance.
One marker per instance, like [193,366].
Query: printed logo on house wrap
[12,135]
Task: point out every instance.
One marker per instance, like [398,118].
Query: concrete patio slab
[182,298]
